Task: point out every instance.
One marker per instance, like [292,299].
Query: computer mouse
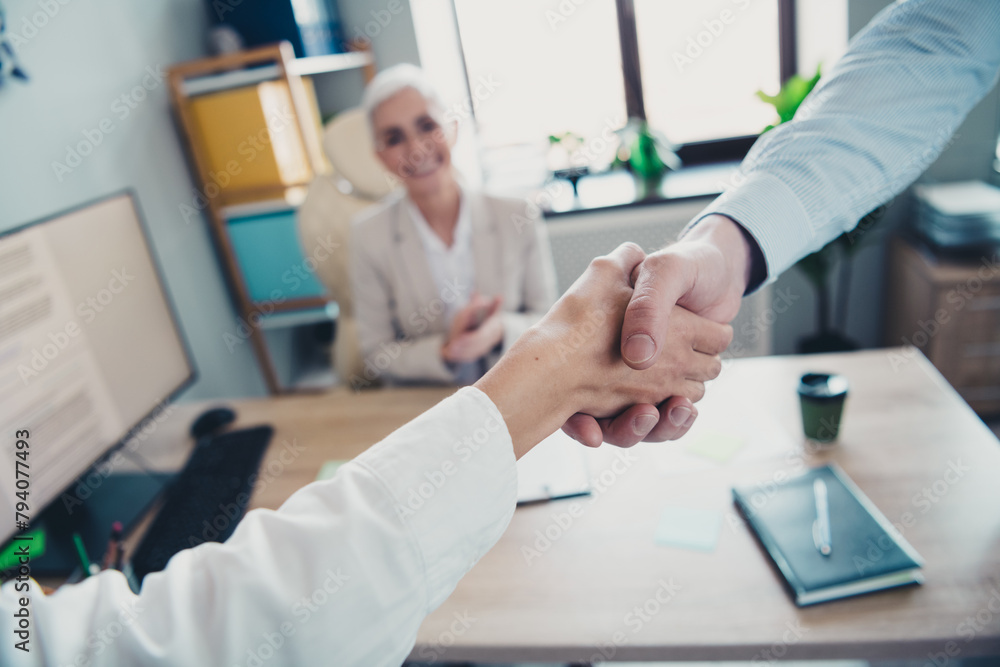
[212,421]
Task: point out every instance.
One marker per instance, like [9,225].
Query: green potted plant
[819,266]
[647,154]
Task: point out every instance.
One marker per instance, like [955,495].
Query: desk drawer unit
[950,309]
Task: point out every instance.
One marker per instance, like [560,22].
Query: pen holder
[821,397]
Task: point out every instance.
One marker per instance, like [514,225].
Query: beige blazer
[399,310]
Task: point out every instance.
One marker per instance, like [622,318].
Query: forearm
[348,567]
[531,385]
[515,324]
[871,126]
[414,359]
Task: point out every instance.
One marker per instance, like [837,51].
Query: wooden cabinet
[950,310]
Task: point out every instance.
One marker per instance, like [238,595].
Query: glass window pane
[537,69]
[702,63]
[822,33]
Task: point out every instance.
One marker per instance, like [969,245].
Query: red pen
[113,556]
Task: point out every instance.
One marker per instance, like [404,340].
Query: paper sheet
[722,438]
[556,468]
[689,528]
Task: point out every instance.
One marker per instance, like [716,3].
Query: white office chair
[332,200]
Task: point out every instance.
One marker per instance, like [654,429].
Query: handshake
[625,353]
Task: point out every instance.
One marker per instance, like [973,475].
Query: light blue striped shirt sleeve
[870,127]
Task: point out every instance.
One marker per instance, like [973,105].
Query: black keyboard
[207,498]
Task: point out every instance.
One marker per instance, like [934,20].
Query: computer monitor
[89,345]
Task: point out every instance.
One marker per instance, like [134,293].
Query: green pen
[88,567]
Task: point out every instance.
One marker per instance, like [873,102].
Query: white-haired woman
[444,278]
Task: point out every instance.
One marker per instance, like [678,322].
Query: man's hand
[707,273]
[570,361]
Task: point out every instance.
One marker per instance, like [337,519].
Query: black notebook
[866,552]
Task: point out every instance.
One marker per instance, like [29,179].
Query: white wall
[82,59]
[84,56]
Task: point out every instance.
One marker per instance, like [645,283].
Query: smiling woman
[444,278]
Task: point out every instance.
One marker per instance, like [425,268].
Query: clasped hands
[475,329]
[621,357]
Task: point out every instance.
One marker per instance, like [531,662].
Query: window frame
[723,149]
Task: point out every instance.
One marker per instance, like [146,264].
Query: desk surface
[602,588]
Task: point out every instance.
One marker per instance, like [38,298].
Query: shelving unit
[252,217]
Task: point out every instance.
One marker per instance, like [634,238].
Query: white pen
[822,533]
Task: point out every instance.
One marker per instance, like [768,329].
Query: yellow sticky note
[719,447]
[329,469]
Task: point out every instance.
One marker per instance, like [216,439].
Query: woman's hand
[475,330]
[706,272]
[570,361]
[477,343]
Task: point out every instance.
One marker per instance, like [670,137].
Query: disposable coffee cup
[821,397]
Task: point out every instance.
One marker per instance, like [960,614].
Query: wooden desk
[904,429]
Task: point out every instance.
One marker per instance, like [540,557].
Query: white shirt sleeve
[343,573]
[870,127]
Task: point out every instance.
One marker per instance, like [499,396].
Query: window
[557,67]
[550,71]
[702,63]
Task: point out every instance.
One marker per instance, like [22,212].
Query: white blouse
[343,573]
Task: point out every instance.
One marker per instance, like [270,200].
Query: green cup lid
[823,386]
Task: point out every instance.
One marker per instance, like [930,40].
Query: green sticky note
[329,469]
[36,547]
[719,447]
[689,528]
